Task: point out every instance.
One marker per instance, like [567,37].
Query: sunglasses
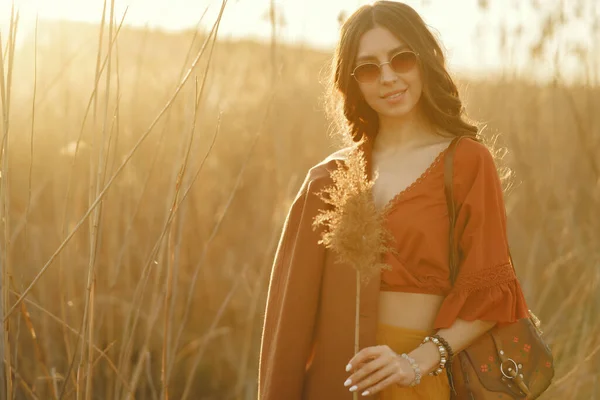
[401,62]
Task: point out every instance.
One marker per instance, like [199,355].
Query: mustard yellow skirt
[403,340]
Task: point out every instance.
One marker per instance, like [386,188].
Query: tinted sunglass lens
[366,73]
[404,61]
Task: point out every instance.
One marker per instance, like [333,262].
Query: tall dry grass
[145,179]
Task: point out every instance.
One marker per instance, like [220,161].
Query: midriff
[409,310]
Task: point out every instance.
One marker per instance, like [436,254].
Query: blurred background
[151,150]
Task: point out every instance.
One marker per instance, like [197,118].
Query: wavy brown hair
[440,100]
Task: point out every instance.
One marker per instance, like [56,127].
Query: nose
[387,74]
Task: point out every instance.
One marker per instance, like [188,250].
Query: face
[393,94]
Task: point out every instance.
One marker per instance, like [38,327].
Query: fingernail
[353,388]
[348,382]
[365,393]
[348,367]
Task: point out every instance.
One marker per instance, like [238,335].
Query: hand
[377,368]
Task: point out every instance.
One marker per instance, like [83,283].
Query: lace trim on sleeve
[485,278]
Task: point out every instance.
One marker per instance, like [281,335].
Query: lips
[393,93]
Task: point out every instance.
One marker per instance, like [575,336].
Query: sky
[469,34]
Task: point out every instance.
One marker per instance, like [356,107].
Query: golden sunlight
[153,178]
[474,32]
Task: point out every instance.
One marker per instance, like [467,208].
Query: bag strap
[448,190]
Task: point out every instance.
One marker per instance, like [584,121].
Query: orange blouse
[486,287]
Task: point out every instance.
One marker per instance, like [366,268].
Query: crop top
[486,286]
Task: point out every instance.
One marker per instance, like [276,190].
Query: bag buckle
[516,370]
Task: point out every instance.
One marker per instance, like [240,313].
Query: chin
[402,113]
[399,111]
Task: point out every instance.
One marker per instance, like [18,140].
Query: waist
[409,310]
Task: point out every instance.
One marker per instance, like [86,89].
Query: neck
[410,130]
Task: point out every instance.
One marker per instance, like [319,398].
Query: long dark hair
[440,100]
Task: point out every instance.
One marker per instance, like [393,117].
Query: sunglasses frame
[382,64]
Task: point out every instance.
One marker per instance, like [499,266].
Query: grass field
[141,214]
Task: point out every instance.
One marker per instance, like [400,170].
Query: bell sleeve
[292,300]
[486,286]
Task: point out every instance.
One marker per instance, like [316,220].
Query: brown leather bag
[509,362]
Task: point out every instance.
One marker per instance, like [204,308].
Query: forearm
[459,336]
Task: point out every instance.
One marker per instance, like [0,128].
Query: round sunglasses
[401,62]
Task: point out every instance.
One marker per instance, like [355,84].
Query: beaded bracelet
[450,358]
[414,366]
[448,348]
[443,354]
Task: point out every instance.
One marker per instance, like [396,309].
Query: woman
[403,109]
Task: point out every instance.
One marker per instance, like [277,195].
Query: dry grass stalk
[102,353]
[6,262]
[39,352]
[86,360]
[356,231]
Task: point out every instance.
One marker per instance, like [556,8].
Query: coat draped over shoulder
[308,332]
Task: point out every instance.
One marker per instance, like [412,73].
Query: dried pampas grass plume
[355,228]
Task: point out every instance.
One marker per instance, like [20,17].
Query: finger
[364,356]
[370,381]
[366,370]
[379,386]
[360,365]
